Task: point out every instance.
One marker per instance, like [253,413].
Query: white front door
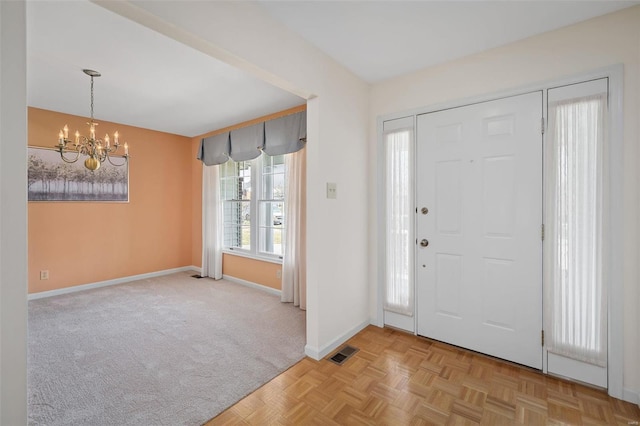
[478,227]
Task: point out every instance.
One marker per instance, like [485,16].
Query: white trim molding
[195,269]
[251,284]
[319,353]
[260,258]
[631,396]
[403,322]
[115,281]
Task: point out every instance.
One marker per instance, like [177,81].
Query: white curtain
[212,232]
[575,296]
[399,218]
[294,286]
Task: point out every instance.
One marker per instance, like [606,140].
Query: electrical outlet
[44,275]
[279,273]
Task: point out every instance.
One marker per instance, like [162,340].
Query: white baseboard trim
[251,284]
[318,354]
[631,396]
[83,287]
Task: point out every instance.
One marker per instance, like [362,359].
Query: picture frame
[52,179]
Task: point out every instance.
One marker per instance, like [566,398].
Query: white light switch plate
[332,190]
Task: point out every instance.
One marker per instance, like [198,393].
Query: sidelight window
[398,149]
[575,303]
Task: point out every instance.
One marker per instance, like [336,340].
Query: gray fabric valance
[283,135]
[214,149]
[247,142]
[286,134]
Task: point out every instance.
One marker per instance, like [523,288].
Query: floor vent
[197,276]
[343,354]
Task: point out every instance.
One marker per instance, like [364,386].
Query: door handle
[424,242]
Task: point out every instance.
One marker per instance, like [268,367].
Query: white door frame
[615,199]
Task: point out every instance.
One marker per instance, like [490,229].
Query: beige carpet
[172,350]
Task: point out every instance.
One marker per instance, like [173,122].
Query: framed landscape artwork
[52,179]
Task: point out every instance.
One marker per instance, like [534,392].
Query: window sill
[248,255]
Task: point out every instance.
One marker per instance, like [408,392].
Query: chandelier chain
[92,98]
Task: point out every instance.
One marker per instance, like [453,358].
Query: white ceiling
[151,81]
[148,80]
[378,40]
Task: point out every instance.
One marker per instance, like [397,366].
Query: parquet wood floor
[399,379]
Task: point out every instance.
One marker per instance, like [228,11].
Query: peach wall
[87,242]
[252,270]
[196,204]
[256,271]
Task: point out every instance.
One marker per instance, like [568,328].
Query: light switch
[332,190]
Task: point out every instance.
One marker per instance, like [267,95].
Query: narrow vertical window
[575,296]
[399,219]
[271,205]
[235,190]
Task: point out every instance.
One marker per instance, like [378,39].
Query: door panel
[448,193]
[448,283]
[479,280]
[499,196]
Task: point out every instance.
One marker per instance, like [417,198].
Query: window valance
[214,149]
[286,134]
[247,142]
[282,135]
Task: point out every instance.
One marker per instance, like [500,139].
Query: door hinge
[542,337]
[542,232]
[542,125]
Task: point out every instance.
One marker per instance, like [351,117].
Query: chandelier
[97,150]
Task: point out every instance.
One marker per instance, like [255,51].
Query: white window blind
[398,143]
[575,295]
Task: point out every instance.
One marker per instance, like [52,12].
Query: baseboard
[631,396]
[252,285]
[83,287]
[318,354]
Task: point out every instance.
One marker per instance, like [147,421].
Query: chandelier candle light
[97,150]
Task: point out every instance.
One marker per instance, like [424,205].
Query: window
[398,137]
[253,204]
[271,205]
[575,304]
[235,189]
